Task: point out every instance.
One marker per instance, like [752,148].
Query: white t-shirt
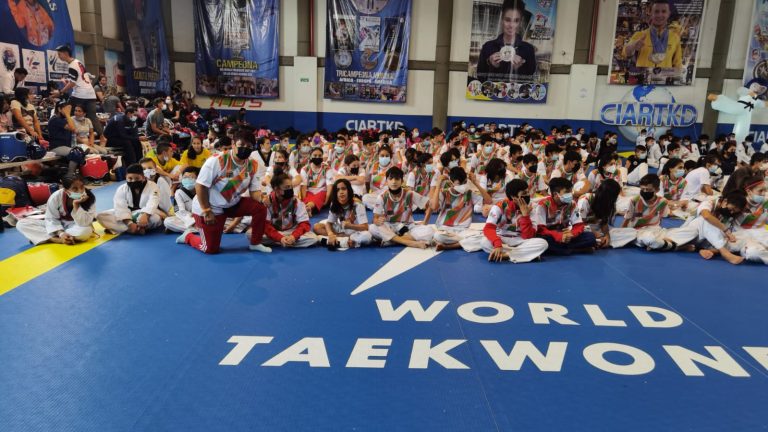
[226,181]
[694,181]
[358,209]
[83,88]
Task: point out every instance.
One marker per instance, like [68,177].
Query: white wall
[183,26]
[73,6]
[109,19]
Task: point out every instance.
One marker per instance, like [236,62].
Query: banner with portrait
[510,50]
[29,31]
[655,42]
[236,48]
[366,50]
[756,65]
[148,66]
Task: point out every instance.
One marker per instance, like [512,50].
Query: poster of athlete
[655,42]
[511,50]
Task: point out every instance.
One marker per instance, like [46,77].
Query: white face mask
[610,169]
[462,188]
[149,173]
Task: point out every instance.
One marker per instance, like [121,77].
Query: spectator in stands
[60,130]
[84,133]
[101,88]
[156,121]
[111,103]
[6,119]
[196,154]
[122,131]
[24,114]
[79,81]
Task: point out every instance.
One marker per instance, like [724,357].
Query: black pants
[90,106]
[132,150]
[583,241]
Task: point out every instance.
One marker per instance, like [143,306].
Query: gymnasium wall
[576,96]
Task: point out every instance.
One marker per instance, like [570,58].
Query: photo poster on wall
[114,70]
[236,48]
[28,32]
[366,50]
[510,50]
[756,64]
[148,67]
[655,42]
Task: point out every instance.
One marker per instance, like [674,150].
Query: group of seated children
[558,194]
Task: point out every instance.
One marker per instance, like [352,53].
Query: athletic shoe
[182,239]
[260,248]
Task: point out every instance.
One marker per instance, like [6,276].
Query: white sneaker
[343,243]
[182,239]
[260,248]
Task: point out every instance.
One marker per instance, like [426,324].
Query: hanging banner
[510,50]
[147,62]
[756,66]
[29,30]
[114,70]
[655,42]
[366,50]
[236,48]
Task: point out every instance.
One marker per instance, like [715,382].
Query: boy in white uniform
[182,219]
[509,233]
[136,205]
[393,214]
[452,199]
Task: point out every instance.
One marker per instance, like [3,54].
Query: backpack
[13,147]
[14,192]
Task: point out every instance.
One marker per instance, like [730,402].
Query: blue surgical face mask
[679,173]
[339,149]
[757,199]
[188,183]
[713,169]
[384,160]
[430,168]
[75,195]
[488,149]
[566,198]
[453,164]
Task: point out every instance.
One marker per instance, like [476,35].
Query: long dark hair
[191,153]
[604,203]
[336,206]
[67,182]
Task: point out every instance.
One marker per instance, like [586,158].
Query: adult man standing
[222,181]
[79,81]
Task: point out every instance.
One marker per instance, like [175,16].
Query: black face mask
[280,165]
[526,199]
[316,161]
[354,171]
[244,153]
[396,191]
[647,195]
[576,167]
[137,185]
[518,159]
[533,169]
[287,194]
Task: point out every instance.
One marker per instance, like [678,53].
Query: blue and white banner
[756,65]
[147,61]
[366,55]
[236,48]
[29,32]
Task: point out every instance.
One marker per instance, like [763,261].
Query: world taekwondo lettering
[549,356]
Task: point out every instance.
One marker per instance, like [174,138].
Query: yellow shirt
[674,54]
[170,164]
[196,162]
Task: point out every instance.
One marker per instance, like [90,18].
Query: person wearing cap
[61,126]
[78,80]
[122,131]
